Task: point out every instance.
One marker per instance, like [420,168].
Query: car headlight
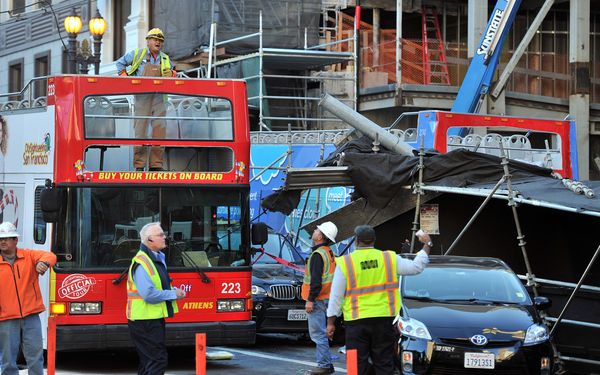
[258,291]
[535,334]
[413,328]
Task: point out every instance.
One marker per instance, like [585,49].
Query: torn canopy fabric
[379,176]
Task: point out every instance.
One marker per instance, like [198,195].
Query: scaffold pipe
[364,125]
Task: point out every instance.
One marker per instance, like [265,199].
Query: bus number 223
[230,288]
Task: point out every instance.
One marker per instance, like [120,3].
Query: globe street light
[97,26]
[84,56]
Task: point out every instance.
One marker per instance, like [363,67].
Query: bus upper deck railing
[25,98]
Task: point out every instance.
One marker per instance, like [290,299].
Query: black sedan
[465,315]
[277,274]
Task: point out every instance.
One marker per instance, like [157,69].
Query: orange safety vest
[327,277]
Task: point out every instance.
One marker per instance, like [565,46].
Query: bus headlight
[85,308]
[231,305]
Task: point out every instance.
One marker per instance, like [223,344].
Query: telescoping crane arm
[478,79]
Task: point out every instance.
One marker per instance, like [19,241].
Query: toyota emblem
[479,340]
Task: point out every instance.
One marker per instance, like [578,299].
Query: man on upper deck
[150,61]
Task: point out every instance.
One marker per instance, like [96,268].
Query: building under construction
[292,51]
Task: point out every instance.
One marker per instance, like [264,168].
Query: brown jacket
[20,294]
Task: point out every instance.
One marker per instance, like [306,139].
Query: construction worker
[316,286]
[20,302]
[150,299]
[150,61]
[365,289]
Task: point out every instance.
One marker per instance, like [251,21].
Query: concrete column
[579,61]
[376,35]
[137,27]
[106,55]
[4,6]
[477,17]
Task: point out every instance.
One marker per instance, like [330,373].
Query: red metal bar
[51,365]
[200,353]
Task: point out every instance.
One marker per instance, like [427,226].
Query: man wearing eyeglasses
[20,302]
[150,299]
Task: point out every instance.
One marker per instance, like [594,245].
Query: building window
[15,79]
[39,225]
[41,69]
[122,11]
[18,6]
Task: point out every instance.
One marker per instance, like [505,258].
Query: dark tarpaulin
[378,177]
[282,201]
[186,23]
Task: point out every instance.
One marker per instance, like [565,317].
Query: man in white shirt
[365,289]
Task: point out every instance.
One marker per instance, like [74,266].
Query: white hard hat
[8,230]
[328,229]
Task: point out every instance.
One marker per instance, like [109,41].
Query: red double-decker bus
[194,142]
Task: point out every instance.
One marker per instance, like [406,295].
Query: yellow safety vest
[327,277]
[137,308]
[165,62]
[371,284]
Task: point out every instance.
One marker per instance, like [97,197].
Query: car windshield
[280,247]
[470,284]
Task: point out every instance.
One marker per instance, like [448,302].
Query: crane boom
[479,76]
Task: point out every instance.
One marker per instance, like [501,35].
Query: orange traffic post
[51,348]
[351,362]
[200,354]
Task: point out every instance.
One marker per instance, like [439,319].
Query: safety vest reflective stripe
[147,262]
[128,309]
[137,60]
[371,289]
[392,286]
[352,280]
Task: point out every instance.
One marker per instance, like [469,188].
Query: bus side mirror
[50,203]
[259,234]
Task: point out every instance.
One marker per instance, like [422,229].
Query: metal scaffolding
[289,82]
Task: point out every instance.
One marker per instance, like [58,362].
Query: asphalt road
[272,354]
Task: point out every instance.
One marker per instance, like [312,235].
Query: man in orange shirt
[21,302]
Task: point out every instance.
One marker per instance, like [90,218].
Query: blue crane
[478,79]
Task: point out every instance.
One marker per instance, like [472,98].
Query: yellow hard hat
[155,33]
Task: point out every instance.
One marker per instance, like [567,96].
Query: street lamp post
[84,56]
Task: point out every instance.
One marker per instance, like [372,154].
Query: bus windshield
[99,227]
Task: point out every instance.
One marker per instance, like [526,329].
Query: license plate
[479,360]
[297,315]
